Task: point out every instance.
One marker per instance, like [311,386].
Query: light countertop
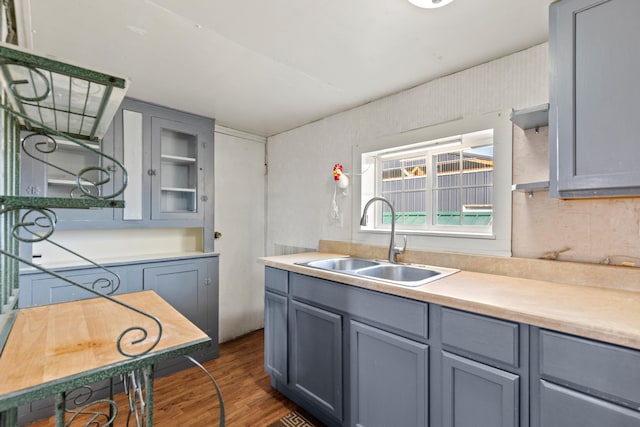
[606,314]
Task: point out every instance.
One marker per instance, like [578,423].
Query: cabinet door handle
[151,172]
[33,190]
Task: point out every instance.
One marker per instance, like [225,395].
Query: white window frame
[473,239]
[427,151]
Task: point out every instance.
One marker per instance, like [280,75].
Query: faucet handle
[399,249]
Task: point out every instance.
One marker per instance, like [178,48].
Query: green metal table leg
[60,407]
[9,418]
[148,397]
[111,412]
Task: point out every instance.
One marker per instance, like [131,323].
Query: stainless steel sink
[398,274]
[341,264]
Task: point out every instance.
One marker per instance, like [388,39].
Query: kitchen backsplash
[591,230]
[574,273]
[100,245]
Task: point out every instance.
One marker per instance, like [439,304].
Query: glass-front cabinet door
[169,157]
[57,167]
[176,173]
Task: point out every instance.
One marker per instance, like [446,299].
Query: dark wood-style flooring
[187,398]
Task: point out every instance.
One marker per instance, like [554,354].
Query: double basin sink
[399,274]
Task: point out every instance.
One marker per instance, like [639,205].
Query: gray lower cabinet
[189,285]
[41,288]
[563,407]
[478,395]
[350,356]
[359,358]
[276,324]
[316,356]
[389,379]
[583,383]
[186,287]
[484,370]
[275,336]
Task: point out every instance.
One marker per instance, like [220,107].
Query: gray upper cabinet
[595,64]
[169,155]
[49,169]
[177,178]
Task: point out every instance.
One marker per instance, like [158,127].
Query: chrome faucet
[393,250]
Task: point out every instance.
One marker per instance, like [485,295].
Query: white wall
[240,217]
[300,186]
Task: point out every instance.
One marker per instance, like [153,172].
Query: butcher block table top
[59,347]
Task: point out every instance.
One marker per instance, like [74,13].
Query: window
[443,185]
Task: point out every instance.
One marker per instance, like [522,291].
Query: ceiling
[265,67]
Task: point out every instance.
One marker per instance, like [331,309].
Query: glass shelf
[179,190]
[177,159]
[73,146]
[56,181]
[179,172]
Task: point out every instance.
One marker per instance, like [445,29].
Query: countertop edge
[121,261]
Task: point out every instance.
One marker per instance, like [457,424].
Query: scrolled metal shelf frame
[34,84]
[46,220]
[48,216]
[31,219]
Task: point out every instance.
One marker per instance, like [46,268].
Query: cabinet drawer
[594,367]
[42,289]
[404,316]
[483,336]
[276,280]
[560,406]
